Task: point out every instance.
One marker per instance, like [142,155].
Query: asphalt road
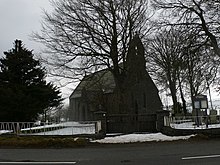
[205,152]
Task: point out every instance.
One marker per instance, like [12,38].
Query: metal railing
[65,128]
[193,122]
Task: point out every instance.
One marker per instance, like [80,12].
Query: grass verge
[42,142]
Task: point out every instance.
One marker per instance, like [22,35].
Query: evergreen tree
[24,92]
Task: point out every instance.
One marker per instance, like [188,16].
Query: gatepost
[101,116]
[160,119]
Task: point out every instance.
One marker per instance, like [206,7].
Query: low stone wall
[212,132]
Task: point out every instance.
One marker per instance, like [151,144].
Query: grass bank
[42,142]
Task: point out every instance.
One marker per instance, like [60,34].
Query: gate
[127,123]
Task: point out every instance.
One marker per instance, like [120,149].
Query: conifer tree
[24,92]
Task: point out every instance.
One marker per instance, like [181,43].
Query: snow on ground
[131,138]
[4,131]
[65,124]
[73,128]
[67,128]
[70,131]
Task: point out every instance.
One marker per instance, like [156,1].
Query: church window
[136,50]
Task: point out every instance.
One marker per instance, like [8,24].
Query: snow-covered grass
[70,131]
[189,122]
[67,128]
[132,138]
[65,124]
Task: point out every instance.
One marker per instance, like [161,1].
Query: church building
[96,95]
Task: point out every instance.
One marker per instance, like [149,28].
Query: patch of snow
[5,131]
[131,138]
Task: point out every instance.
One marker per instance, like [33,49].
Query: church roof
[101,80]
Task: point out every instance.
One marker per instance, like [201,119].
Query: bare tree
[180,62]
[201,68]
[202,15]
[165,60]
[83,36]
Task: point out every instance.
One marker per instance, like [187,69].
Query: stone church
[96,95]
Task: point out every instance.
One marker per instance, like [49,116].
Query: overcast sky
[19,18]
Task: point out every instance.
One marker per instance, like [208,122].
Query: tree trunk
[174,98]
[182,97]
[172,86]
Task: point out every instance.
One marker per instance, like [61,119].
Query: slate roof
[101,80]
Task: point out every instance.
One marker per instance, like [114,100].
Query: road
[203,152]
